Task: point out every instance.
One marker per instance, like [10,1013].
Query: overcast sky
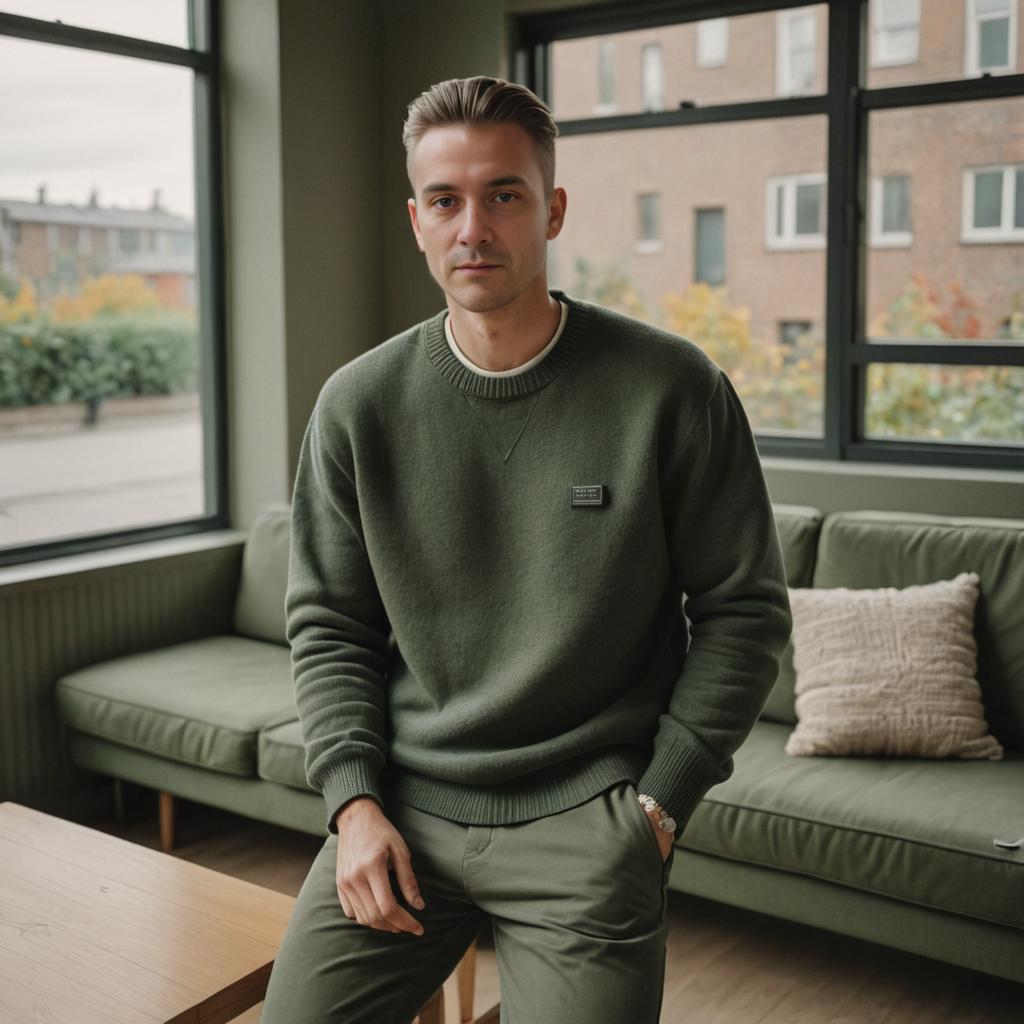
[77,120]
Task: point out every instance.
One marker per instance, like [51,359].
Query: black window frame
[848,104]
[202,55]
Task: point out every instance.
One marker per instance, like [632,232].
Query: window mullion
[846,203]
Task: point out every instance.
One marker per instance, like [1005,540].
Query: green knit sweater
[488,575]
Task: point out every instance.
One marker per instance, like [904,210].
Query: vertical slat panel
[51,626]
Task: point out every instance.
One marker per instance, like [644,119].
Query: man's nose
[475,227]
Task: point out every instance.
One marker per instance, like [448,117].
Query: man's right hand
[367,845]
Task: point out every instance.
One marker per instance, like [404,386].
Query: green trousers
[577,901]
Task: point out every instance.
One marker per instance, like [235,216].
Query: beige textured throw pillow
[889,672]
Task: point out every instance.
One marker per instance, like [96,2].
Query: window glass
[606,74]
[797,58]
[712,42]
[723,60]
[161,21]
[895,31]
[992,25]
[961,276]
[988,199]
[100,425]
[809,209]
[703,174]
[654,93]
[650,217]
[895,204]
[710,246]
[939,40]
[977,404]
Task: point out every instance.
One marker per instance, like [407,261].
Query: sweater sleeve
[337,627]
[727,560]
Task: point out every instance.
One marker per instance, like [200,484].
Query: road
[70,480]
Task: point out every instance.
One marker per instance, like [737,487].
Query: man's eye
[443,200]
[509,197]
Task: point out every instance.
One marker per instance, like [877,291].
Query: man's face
[479,212]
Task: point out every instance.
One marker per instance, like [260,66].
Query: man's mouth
[477,267]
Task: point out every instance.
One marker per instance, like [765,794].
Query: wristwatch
[665,821]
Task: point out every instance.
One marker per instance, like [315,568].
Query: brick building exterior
[58,246]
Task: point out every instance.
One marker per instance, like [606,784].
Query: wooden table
[97,930]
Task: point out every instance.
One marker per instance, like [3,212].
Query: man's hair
[483,100]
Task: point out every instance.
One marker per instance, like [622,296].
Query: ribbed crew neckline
[563,312]
[477,385]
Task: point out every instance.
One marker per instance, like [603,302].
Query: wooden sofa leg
[118,800]
[465,973]
[166,821]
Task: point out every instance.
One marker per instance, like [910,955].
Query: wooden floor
[725,965]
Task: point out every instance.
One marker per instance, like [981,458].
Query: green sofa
[898,851]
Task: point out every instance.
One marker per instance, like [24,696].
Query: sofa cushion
[898,549]
[798,526]
[202,702]
[888,671]
[259,606]
[282,755]
[918,830]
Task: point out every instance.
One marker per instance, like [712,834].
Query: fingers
[407,880]
[390,912]
[367,897]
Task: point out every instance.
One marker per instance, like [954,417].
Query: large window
[874,180]
[110,300]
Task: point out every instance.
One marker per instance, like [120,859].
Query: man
[496,516]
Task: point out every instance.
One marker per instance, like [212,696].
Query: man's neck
[505,338]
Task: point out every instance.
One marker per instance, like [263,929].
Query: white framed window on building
[795,33]
[709,233]
[648,233]
[791,332]
[84,241]
[653,77]
[605,77]
[712,42]
[895,32]
[993,204]
[129,240]
[889,211]
[796,212]
[990,42]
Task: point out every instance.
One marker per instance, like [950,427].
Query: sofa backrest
[259,605]
[798,526]
[889,549]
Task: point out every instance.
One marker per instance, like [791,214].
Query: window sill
[88,561]
[941,490]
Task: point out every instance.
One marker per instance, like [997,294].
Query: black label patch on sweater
[586,494]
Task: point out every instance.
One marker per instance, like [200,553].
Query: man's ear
[556,213]
[411,206]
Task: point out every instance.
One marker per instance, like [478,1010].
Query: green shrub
[117,356]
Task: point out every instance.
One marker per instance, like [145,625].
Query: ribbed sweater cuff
[354,777]
[678,777]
